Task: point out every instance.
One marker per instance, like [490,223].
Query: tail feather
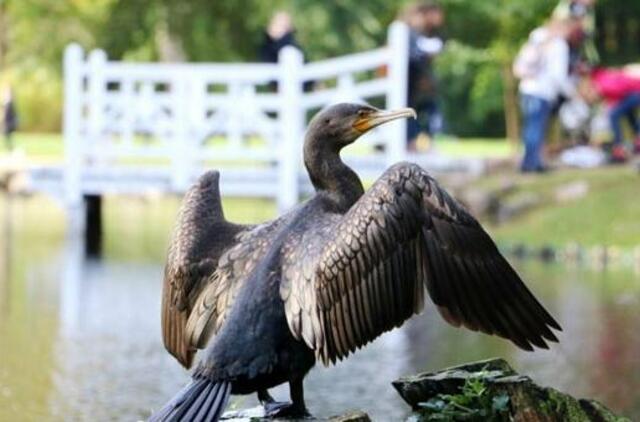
[201,400]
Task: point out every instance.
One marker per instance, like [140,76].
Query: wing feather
[209,260]
[218,295]
[200,236]
[371,267]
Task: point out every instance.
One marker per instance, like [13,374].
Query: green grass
[40,147]
[48,147]
[609,214]
[474,148]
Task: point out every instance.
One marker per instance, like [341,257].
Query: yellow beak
[378,118]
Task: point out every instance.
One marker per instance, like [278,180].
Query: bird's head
[343,123]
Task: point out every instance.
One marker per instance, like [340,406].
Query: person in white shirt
[543,69]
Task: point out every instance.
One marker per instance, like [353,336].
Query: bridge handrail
[116,110]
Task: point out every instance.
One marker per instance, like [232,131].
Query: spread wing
[200,236]
[366,272]
[234,267]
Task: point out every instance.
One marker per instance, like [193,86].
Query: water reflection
[5,257]
[80,339]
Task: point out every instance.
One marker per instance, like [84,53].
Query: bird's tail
[201,400]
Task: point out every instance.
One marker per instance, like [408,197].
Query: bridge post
[398,45]
[73,74]
[93,229]
[291,118]
[97,86]
[181,147]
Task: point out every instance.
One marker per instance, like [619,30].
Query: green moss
[475,402]
[568,407]
[565,407]
[594,407]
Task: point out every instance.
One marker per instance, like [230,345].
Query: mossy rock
[256,414]
[491,390]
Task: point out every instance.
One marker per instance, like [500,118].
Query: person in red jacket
[620,88]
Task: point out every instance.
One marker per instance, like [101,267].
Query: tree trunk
[169,46]
[510,99]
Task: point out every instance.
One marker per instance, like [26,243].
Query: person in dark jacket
[425,19]
[280,33]
[9,119]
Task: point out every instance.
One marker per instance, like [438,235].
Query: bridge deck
[259,181]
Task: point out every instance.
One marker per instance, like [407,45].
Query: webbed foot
[285,410]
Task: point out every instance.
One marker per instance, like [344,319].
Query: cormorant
[328,277]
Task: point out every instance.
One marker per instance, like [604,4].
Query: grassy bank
[39,147]
[46,147]
[607,214]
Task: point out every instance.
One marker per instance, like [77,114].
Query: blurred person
[583,54]
[542,65]
[9,118]
[585,11]
[620,90]
[279,34]
[425,19]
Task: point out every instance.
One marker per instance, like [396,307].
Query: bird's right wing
[200,237]
[365,273]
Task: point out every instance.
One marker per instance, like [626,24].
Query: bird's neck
[330,175]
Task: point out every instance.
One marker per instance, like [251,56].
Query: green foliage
[618,29]
[38,97]
[474,403]
[37,33]
[331,28]
[485,37]
[470,80]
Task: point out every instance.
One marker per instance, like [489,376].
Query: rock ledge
[492,390]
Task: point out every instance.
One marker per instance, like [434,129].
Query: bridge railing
[169,121]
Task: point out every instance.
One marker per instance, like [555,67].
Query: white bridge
[136,127]
[132,128]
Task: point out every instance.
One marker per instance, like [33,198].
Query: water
[80,339]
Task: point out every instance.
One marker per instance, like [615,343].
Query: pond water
[80,338]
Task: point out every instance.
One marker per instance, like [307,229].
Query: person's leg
[527,124]
[418,125]
[633,103]
[632,117]
[413,129]
[424,114]
[544,115]
[536,112]
[624,107]
[436,121]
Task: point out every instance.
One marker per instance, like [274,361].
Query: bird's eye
[363,112]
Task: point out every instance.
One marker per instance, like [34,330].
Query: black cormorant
[328,277]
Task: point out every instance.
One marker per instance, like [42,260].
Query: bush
[38,97]
[470,82]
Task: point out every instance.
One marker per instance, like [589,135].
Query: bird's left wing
[234,268]
[366,273]
[200,237]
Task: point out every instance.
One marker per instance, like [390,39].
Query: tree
[4,34]
[478,89]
